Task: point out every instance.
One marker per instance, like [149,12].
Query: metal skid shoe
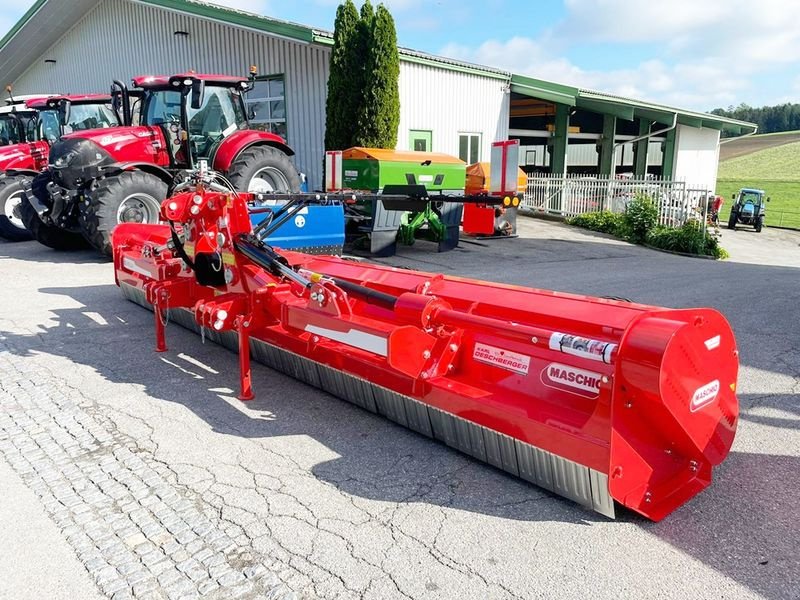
[601,401]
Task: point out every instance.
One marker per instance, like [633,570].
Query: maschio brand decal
[567,378]
[704,395]
[505,359]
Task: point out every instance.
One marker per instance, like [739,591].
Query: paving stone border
[138,534]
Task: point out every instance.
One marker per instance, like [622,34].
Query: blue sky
[697,54]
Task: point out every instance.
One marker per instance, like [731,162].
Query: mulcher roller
[601,401]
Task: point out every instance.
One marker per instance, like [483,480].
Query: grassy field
[754,143]
[783,209]
[771,164]
[779,163]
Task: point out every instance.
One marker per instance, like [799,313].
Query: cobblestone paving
[137,533]
[132,450]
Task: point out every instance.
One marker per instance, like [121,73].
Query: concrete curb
[686,254]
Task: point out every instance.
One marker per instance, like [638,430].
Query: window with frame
[469,147]
[266,105]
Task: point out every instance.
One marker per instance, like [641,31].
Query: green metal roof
[22,22]
[621,107]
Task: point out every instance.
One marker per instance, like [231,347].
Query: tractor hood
[29,156]
[80,157]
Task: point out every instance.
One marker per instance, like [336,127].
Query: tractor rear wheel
[264,169]
[732,221]
[11,197]
[44,233]
[129,197]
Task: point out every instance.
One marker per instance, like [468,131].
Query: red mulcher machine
[601,401]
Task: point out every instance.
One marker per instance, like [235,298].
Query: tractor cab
[17,119]
[62,115]
[13,120]
[749,208]
[196,113]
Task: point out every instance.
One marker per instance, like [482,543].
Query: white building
[82,45]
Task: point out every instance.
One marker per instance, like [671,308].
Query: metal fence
[576,194]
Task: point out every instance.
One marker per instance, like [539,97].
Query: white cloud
[702,85]
[695,53]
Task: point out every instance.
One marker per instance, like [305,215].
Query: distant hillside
[774,162]
[754,143]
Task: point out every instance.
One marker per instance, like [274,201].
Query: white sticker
[713,343]
[426,178]
[704,395]
[580,381]
[583,347]
[505,359]
[351,173]
[299,221]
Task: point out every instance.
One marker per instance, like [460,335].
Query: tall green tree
[379,114]
[344,80]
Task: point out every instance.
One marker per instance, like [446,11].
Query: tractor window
[163,108]
[751,198]
[8,129]
[49,126]
[90,116]
[31,132]
[222,113]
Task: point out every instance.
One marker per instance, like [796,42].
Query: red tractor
[97,180]
[37,125]
[19,149]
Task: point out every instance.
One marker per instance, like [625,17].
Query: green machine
[409,209]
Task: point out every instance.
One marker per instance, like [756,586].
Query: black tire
[12,195]
[44,233]
[759,224]
[129,197]
[276,169]
[732,221]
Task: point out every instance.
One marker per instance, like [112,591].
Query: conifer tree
[344,81]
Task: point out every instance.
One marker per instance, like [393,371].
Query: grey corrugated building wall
[118,39]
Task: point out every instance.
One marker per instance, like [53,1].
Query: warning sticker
[505,359]
[570,379]
[583,347]
[704,395]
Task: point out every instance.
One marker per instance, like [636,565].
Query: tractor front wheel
[264,169]
[44,233]
[129,197]
[732,221]
[759,224]
[12,195]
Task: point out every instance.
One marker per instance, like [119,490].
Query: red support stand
[161,338]
[245,376]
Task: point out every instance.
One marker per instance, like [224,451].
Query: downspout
[649,135]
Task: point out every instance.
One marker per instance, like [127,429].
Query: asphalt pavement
[148,464]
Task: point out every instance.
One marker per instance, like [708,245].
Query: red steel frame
[634,403]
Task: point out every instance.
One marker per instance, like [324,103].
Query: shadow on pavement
[377,459]
[745,525]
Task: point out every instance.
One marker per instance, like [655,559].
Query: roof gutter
[739,137]
[651,134]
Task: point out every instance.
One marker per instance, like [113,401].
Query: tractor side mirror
[767,198]
[198,93]
[64,110]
